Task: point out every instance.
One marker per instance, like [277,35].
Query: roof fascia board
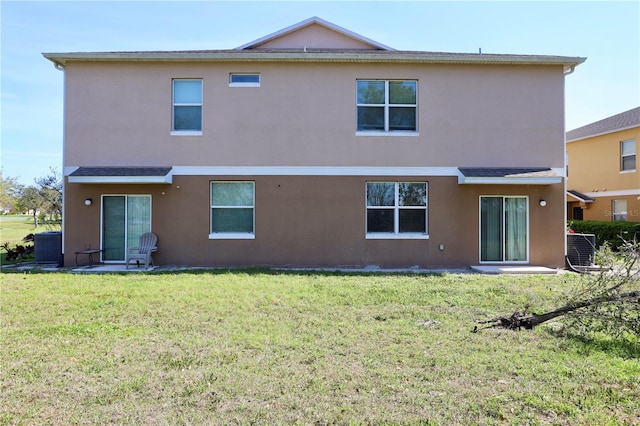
[579,198]
[463,180]
[121,179]
[306,23]
[310,56]
[603,133]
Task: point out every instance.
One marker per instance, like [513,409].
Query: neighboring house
[316,147]
[603,178]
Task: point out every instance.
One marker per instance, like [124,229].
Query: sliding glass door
[124,219]
[504,229]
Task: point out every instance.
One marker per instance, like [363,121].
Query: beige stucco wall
[317,221]
[594,163]
[594,169]
[314,37]
[602,208]
[305,115]
[119,114]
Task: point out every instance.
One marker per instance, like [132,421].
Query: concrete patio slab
[525,269]
[111,269]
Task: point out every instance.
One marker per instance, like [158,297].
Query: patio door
[124,219]
[504,229]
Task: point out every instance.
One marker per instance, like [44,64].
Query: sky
[607,33]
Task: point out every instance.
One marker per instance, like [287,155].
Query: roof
[615,123]
[579,196]
[121,175]
[316,55]
[308,22]
[508,175]
[378,53]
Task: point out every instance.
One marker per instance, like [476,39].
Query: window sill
[392,134]
[186,133]
[627,171]
[231,236]
[244,84]
[385,236]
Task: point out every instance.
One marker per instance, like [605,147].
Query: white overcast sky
[606,32]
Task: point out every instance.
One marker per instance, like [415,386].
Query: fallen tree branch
[519,320]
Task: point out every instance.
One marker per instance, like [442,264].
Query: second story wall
[595,163]
[303,114]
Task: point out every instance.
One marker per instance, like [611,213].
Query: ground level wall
[601,209]
[316,221]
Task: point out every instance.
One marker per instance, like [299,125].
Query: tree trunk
[518,320]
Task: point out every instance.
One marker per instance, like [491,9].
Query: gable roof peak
[314,20]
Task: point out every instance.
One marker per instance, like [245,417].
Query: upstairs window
[387,106]
[244,80]
[396,209]
[628,155]
[187,106]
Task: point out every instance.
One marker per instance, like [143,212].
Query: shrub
[612,233]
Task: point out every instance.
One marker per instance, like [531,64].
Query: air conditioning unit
[581,249]
[48,247]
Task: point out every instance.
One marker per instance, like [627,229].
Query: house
[315,146]
[603,177]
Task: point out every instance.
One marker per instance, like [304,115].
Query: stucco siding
[305,115]
[594,163]
[316,221]
[594,170]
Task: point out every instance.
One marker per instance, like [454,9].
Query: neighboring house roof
[615,123]
[579,196]
[306,23]
[121,175]
[374,53]
[508,175]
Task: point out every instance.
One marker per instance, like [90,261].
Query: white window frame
[396,234]
[621,214]
[632,142]
[387,105]
[174,105]
[231,235]
[244,84]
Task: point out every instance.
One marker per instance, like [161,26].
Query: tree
[31,200]
[10,191]
[50,188]
[607,302]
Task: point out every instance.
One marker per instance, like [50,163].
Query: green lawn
[260,347]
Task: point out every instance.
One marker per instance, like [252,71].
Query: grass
[260,347]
